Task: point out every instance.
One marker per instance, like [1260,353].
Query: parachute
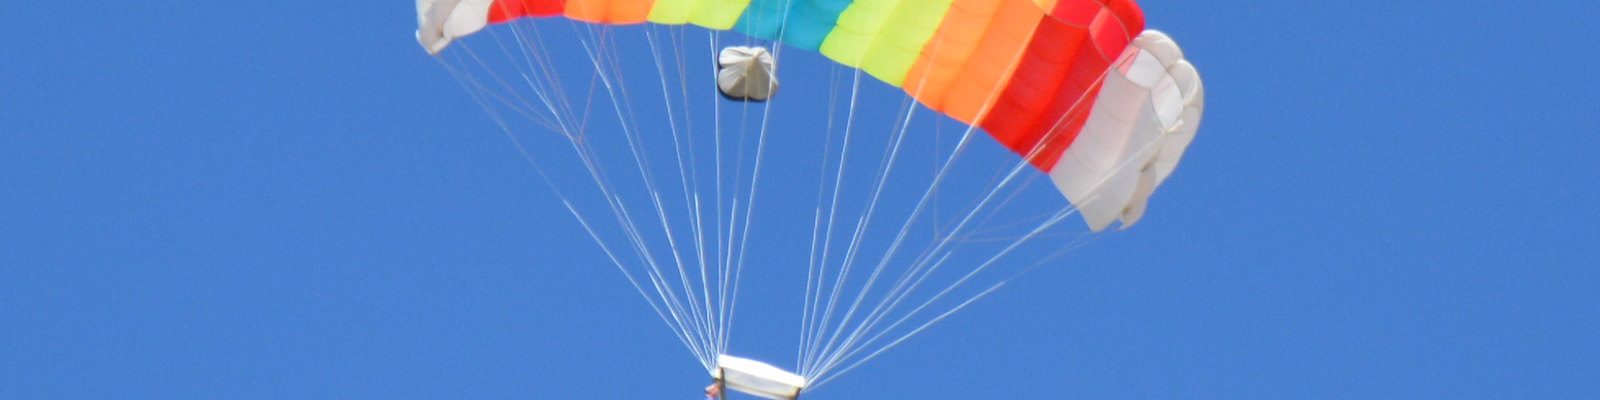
[1077,93]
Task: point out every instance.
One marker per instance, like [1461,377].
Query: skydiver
[714,392]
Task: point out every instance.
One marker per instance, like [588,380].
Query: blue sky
[291,200]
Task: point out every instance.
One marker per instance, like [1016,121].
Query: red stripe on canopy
[506,10]
[1057,80]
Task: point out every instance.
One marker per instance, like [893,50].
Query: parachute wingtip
[433,47]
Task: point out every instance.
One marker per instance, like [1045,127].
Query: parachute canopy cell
[1063,83]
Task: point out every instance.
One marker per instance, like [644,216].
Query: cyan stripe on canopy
[808,21]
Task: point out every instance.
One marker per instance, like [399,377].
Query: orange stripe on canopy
[985,72]
[609,11]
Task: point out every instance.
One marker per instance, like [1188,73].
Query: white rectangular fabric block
[757,378]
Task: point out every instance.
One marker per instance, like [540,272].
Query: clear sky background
[289,199]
